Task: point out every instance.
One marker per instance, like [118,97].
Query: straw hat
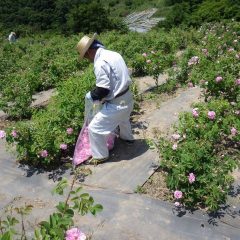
[84,44]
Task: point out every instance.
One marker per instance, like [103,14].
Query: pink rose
[211,115]
[144,55]
[237,81]
[75,234]
[177,204]
[44,153]
[63,146]
[219,79]
[2,134]
[174,146]
[230,49]
[176,136]
[178,194]
[193,61]
[69,131]
[205,51]
[14,133]
[195,112]
[234,131]
[191,178]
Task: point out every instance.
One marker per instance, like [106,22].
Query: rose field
[197,159]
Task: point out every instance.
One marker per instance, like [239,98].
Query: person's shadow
[125,151]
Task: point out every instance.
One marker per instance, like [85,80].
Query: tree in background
[59,15]
[195,12]
[88,17]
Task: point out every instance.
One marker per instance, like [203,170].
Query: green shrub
[48,128]
[197,152]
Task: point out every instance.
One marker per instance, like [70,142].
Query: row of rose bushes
[41,62]
[51,133]
[204,150]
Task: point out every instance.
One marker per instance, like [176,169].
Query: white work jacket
[111,72]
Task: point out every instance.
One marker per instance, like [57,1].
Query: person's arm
[99,93]
[102,71]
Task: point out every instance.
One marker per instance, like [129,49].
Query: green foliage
[199,152]
[32,65]
[59,221]
[207,148]
[88,17]
[48,128]
[196,12]
[38,63]
[63,16]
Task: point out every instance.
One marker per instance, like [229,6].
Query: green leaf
[84,195]
[7,236]
[61,207]
[97,208]
[59,189]
[46,225]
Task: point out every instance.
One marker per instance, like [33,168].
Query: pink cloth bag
[82,150]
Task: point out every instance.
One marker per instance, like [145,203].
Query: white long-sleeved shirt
[111,72]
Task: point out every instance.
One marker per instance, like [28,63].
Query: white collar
[97,55]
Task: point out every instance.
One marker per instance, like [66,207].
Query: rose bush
[200,162]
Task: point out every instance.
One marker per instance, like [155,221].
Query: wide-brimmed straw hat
[84,44]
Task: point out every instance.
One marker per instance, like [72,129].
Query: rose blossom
[69,131]
[63,146]
[44,153]
[14,133]
[174,146]
[178,194]
[195,112]
[237,112]
[211,115]
[2,134]
[237,81]
[75,234]
[205,51]
[177,204]
[176,136]
[144,54]
[191,178]
[218,79]
[234,131]
[193,61]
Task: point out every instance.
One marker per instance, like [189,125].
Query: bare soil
[155,186]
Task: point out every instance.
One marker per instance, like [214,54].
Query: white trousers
[113,114]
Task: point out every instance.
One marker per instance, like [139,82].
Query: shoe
[95,161]
[128,142]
